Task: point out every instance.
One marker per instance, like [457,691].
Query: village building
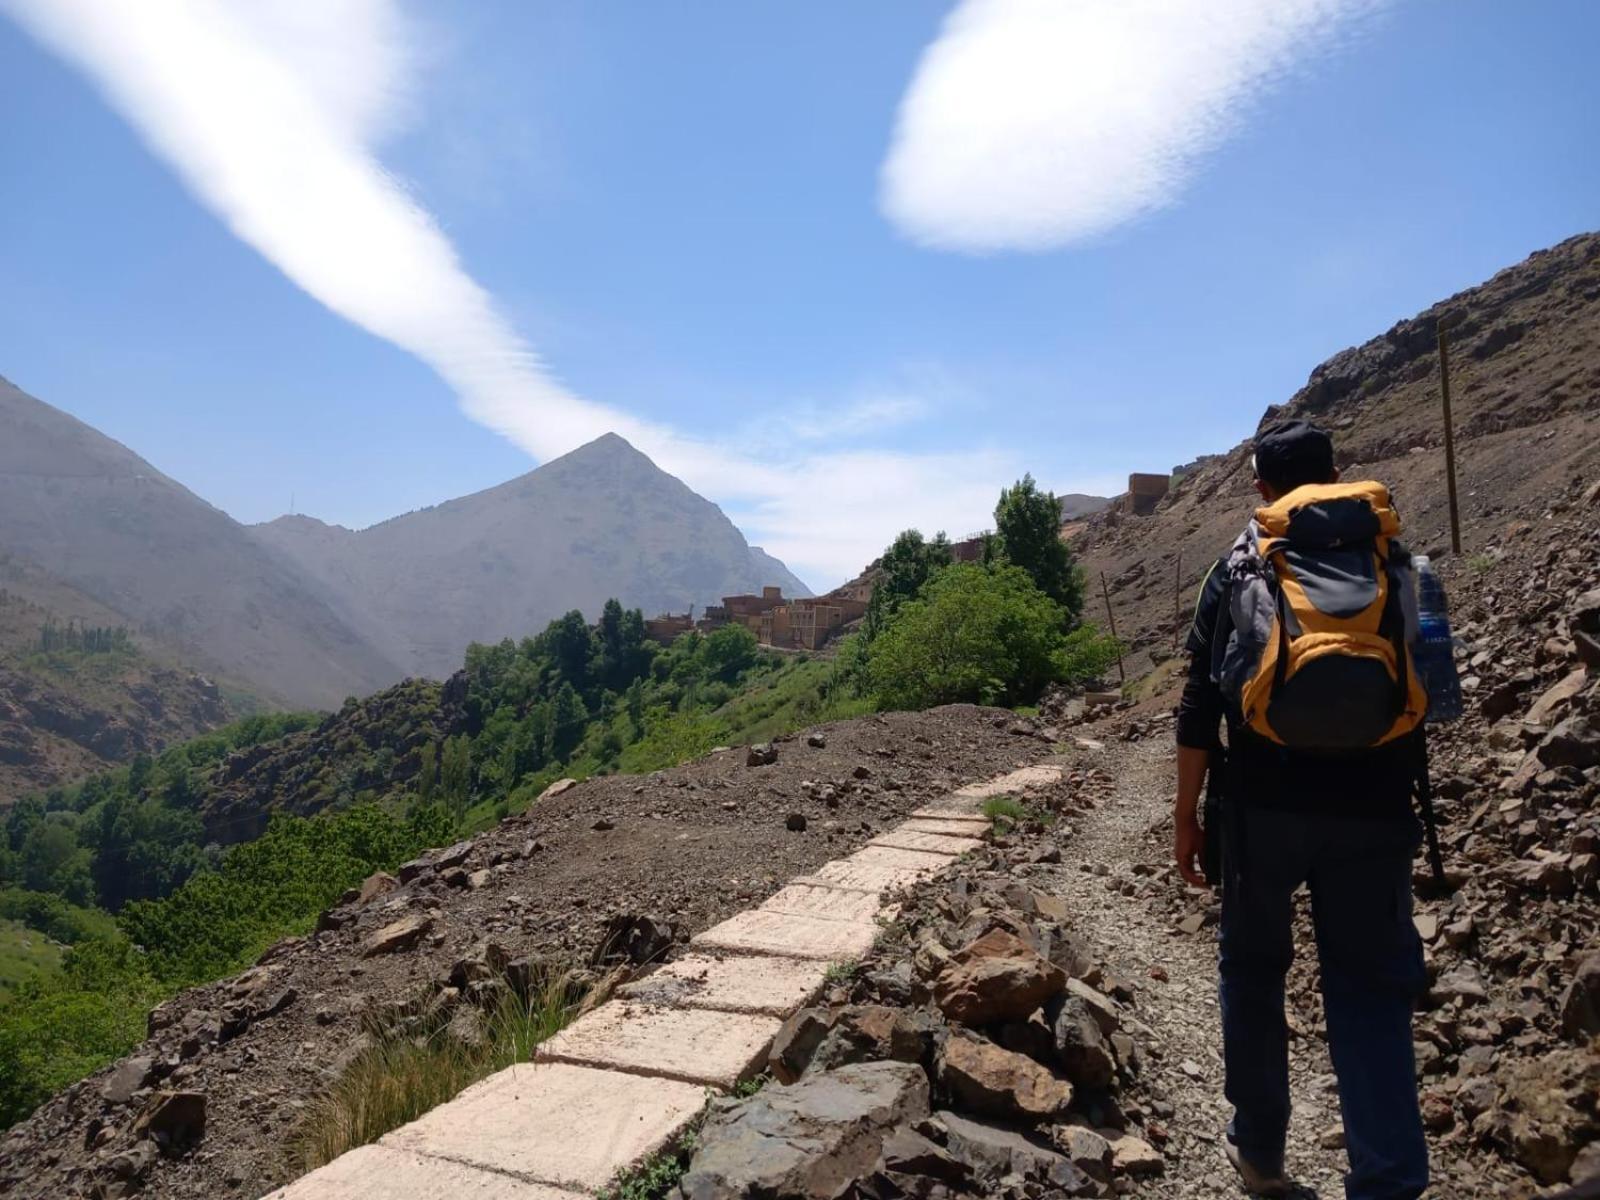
[808,624]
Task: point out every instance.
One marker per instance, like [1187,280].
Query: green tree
[977,634]
[1028,535]
[51,860]
[568,719]
[427,773]
[455,775]
[906,566]
[727,652]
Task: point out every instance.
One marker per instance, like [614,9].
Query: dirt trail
[1126,901]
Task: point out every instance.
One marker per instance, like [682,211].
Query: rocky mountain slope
[1525,385]
[599,522]
[89,513]
[66,713]
[307,613]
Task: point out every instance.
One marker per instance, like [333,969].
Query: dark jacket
[1374,782]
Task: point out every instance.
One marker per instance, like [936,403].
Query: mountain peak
[608,447]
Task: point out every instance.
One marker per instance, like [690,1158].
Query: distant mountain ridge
[87,511]
[599,522]
[308,613]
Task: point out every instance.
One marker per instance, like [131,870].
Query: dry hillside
[1525,384]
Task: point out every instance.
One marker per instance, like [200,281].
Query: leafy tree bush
[906,567]
[978,634]
[1028,535]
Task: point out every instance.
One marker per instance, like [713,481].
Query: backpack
[1322,603]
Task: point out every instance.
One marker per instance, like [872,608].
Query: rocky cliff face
[600,522]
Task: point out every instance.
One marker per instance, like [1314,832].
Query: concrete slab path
[622,1081]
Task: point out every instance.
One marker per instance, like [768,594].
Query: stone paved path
[623,1080]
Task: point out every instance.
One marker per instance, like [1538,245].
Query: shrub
[978,634]
[398,1078]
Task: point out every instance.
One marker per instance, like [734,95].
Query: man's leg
[1372,974]
[1257,948]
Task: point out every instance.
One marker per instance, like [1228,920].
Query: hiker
[1301,641]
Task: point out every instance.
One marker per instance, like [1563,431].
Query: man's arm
[1199,719]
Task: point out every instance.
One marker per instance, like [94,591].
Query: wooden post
[1177,597]
[1111,620]
[1449,441]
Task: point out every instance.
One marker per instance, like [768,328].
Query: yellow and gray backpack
[1323,614]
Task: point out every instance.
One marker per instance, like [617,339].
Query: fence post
[1449,441]
[1111,620]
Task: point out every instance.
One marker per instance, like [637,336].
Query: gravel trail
[1128,900]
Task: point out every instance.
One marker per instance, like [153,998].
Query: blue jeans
[1358,871]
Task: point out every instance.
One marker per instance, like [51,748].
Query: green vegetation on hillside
[419,764]
[59,1028]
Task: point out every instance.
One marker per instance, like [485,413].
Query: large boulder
[810,1141]
[998,977]
[987,1079]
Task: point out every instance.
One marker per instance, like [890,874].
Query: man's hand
[1191,850]
[1190,839]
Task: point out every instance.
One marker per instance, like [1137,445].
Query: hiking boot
[1257,1182]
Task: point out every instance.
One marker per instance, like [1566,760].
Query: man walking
[1300,641]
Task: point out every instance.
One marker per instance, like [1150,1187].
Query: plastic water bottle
[1434,652]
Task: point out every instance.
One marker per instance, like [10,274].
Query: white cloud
[1031,124]
[270,112]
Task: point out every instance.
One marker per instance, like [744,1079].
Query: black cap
[1292,453]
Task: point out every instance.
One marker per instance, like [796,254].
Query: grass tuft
[841,972]
[400,1076]
[1005,811]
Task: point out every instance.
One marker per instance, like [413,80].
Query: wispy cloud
[1031,124]
[270,113]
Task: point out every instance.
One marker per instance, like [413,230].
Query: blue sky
[702,222]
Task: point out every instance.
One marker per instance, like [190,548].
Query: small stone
[1136,1157]
[795,822]
[129,1076]
[761,754]
[603,824]
[1332,1138]
[555,789]
[400,935]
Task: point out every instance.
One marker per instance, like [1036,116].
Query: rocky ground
[1093,1063]
[685,848]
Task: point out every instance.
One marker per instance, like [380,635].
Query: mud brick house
[746,610]
[808,624]
[666,628]
[1145,492]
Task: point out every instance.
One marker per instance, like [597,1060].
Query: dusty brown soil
[689,846]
